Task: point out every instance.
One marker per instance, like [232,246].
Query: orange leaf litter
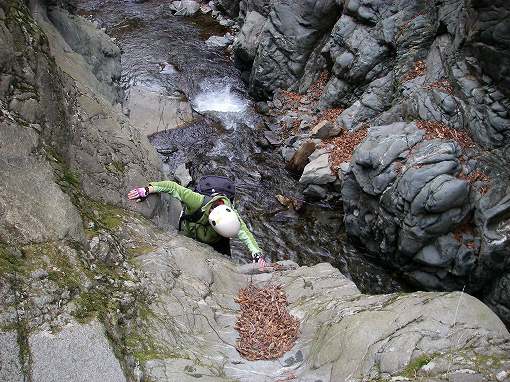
[266,329]
[439,130]
[419,70]
[342,147]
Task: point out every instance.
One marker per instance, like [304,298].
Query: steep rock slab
[10,366]
[189,332]
[248,39]
[260,6]
[489,40]
[290,35]
[102,144]
[34,208]
[79,352]
[98,50]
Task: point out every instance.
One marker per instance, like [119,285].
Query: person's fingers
[133,194]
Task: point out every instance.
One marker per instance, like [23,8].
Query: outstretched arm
[249,241]
[191,199]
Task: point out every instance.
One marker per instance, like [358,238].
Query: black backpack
[210,186]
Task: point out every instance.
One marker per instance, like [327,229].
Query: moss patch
[61,270]
[94,304]
[145,348]
[141,250]
[416,364]
[116,167]
[9,262]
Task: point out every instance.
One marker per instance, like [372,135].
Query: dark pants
[222,246]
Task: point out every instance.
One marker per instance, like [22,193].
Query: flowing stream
[168,54]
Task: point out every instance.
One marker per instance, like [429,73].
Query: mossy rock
[416,364]
[66,272]
[11,261]
[116,167]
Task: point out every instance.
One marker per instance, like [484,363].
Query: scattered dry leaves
[443,85]
[477,176]
[316,89]
[419,70]
[439,130]
[266,328]
[329,114]
[343,146]
[406,25]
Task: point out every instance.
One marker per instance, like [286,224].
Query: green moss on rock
[416,364]
[9,262]
[116,167]
[92,304]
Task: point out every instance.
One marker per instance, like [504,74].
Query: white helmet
[224,220]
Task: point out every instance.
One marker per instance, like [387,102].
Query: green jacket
[202,230]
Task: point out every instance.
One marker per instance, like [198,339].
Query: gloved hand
[259,259]
[138,194]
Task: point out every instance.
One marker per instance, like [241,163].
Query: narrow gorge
[369,142]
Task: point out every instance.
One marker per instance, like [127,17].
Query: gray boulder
[325,129]
[373,161]
[182,175]
[314,191]
[374,101]
[247,40]
[318,171]
[185,7]
[78,353]
[219,41]
[290,35]
[402,198]
[151,112]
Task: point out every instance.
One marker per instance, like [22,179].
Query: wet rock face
[489,40]
[289,37]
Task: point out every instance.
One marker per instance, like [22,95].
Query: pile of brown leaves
[343,146]
[329,114]
[266,328]
[435,129]
[419,70]
[444,86]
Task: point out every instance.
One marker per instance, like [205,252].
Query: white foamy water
[221,99]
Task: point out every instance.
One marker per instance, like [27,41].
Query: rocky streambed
[94,288]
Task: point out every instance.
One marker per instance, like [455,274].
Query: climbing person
[209,216]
